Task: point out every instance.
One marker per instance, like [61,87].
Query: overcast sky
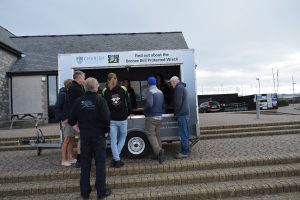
[235,41]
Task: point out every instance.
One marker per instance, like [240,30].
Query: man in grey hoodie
[181,114]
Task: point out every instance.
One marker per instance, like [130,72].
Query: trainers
[161,156]
[181,156]
[73,161]
[65,163]
[119,164]
[77,165]
[112,163]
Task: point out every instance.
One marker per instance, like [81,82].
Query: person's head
[79,77]
[68,83]
[112,80]
[151,81]
[91,85]
[159,78]
[174,80]
[126,82]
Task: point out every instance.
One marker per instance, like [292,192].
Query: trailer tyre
[137,145]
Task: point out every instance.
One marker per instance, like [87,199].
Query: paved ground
[206,149]
[20,161]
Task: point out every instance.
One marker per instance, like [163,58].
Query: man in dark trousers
[76,90]
[92,114]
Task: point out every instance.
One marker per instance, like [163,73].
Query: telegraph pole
[273,80]
[293,83]
[277,81]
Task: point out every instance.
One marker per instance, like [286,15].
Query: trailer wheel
[137,145]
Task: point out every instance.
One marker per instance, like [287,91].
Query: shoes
[118,164]
[73,161]
[181,156]
[107,193]
[161,156]
[77,165]
[65,163]
[112,163]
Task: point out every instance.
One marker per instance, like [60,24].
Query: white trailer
[137,66]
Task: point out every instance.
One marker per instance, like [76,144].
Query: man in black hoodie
[119,105]
[76,90]
[181,114]
[92,115]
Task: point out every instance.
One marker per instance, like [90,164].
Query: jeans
[183,130]
[92,145]
[118,133]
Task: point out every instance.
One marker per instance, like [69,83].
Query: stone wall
[6,61]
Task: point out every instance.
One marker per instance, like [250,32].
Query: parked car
[209,106]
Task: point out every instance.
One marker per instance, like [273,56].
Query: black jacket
[73,93]
[118,102]
[92,114]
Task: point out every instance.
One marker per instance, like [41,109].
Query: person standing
[130,90]
[60,108]
[181,114]
[76,90]
[119,105]
[93,117]
[153,112]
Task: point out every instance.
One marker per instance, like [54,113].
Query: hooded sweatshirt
[181,105]
[118,102]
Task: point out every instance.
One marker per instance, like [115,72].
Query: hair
[112,80]
[68,83]
[162,79]
[77,74]
[91,85]
[126,79]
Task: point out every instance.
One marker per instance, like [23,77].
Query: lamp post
[258,100]
[258,85]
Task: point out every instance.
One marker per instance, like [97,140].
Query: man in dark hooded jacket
[181,114]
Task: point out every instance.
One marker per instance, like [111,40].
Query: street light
[258,85]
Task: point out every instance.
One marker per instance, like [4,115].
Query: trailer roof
[41,51]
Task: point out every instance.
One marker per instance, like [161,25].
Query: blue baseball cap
[151,80]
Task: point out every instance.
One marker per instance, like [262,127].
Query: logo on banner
[79,59]
[113,58]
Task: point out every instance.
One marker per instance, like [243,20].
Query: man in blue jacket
[181,114]
[153,110]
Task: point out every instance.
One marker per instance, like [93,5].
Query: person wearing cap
[153,111]
[181,114]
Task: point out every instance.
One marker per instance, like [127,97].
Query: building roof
[41,51]
[7,43]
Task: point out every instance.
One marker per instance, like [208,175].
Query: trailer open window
[138,76]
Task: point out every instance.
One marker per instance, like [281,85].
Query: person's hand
[106,134]
[76,128]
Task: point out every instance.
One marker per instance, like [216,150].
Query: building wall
[6,61]
[29,94]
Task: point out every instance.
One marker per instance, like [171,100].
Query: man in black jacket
[76,90]
[93,117]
